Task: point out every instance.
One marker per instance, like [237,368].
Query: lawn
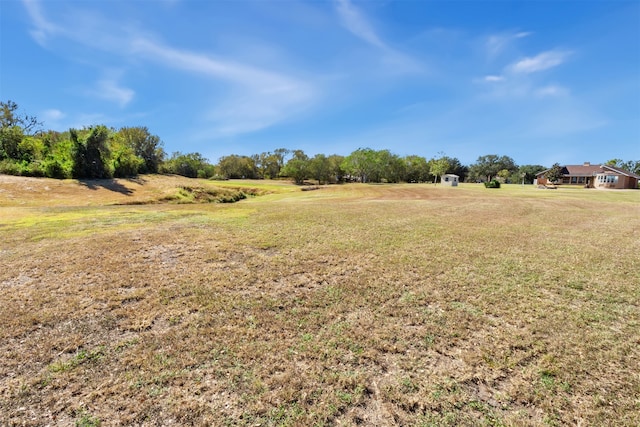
[413,304]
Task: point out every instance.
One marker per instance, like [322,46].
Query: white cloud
[540,62]
[110,90]
[53,115]
[523,34]
[261,96]
[43,28]
[496,44]
[357,24]
[258,99]
[214,67]
[493,78]
[551,91]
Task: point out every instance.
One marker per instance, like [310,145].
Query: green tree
[416,169]
[91,152]
[146,146]
[281,155]
[297,167]
[504,174]
[268,164]
[320,168]
[59,159]
[335,168]
[10,139]
[9,117]
[389,167]
[438,167]
[123,160]
[554,173]
[238,167]
[361,164]
[488,166]
[13,128]
[191,165]
[527,173]
[632,166]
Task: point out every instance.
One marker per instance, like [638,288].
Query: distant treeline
[102,152]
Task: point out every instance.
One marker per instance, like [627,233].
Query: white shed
[450,180]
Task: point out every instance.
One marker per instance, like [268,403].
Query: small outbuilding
[450,180]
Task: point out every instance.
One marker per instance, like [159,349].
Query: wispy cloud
[493,78]
[356,23]
[43,28]
[212,66]
[53,114]
[52,117]
[540,62]
[551,91]
[496,44]
[257,97]
[517,79]
[110,90]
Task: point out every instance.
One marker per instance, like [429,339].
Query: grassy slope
[374,304]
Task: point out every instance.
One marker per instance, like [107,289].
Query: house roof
[581,170]
[590,170]
[621,171]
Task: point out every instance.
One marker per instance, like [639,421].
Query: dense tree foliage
[236,167]
[527,173]
[298,167]
[416,169]
[554,173]
[192,165]
[145,146]
[488,166]
[631,165]
[93,152]
[438,167]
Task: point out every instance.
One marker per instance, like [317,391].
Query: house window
[581,180]
[574,179]
[608,179]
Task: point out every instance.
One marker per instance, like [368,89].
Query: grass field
[125,303]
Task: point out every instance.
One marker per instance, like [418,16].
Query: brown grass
[352,305]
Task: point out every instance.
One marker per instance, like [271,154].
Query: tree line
[102,152]
[89,153]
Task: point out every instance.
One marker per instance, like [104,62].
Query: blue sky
[540,81]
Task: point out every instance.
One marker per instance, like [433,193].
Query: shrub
[55,169]
[9,167]
[494,183]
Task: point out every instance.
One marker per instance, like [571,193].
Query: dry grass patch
[358,304]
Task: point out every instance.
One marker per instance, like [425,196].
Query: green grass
[355,304]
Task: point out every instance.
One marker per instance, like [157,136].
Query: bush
[494,183]
[55,169]
[9,167]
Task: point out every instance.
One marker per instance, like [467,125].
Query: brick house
[593,176]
